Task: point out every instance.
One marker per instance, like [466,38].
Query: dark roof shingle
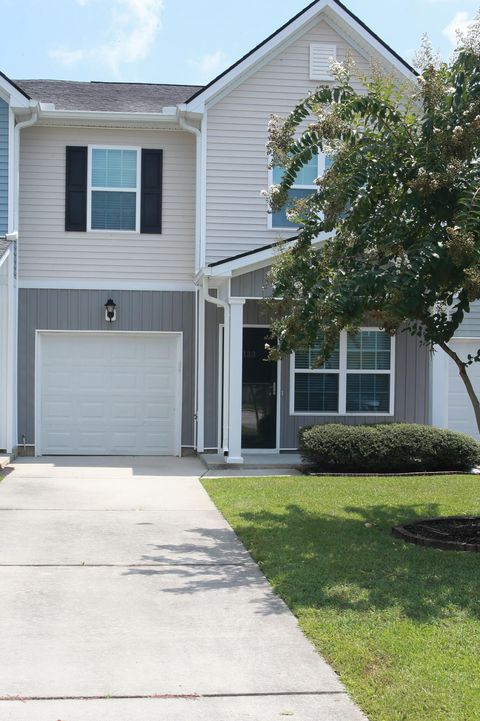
[4,246]
[107,97]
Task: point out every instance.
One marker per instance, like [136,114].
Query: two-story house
[141,261]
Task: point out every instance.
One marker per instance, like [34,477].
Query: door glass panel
[259,393]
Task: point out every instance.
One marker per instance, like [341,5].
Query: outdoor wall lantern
[110,311]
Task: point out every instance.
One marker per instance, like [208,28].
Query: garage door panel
[460,412]
[119,395]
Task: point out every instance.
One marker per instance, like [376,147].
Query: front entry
[259,392]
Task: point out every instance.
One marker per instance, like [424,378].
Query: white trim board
[74,284]
[91,189]
[40,334]
[220,394]
[290,31]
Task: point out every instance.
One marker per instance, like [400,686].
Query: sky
[187,41]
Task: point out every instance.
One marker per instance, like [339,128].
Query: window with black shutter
[110,188]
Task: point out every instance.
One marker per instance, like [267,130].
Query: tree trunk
[462,369]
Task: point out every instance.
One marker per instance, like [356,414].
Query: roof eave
[168,115]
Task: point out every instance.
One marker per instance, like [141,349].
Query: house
[135,253]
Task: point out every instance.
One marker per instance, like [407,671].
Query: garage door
[108,394]
[460,412]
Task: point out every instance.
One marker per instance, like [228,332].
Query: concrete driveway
[125,596]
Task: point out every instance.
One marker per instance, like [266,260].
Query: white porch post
[200,404]
[439,388]
[234,385]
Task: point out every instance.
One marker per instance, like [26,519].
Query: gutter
[49,113]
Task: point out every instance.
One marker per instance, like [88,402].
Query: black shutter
[151,203]
[76,188]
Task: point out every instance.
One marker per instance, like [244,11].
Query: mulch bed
[449,533]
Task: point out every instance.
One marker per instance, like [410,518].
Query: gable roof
[316,5]
[12,93]
[107,97]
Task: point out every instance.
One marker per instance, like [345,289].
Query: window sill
[356,414]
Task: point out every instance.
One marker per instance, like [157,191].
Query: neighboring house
[14,103]
[143,249]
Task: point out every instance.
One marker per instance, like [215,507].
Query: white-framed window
[357,379]
[113,193]
[303,187]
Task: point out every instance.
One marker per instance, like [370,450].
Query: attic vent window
[320,56]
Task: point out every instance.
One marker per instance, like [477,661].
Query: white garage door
[108,394]
[460,412]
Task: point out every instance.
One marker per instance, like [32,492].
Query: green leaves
[401,200]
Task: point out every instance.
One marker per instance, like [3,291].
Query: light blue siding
[3,167]
[470,328]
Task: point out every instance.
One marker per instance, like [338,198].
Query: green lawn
[399,623]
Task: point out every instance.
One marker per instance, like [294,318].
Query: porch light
[110,311]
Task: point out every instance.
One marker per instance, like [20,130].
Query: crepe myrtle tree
[398,210]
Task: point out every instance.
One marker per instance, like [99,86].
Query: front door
[259,392]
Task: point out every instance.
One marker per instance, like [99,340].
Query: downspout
[226,358]
[199,381]
[16,198]
[13,326]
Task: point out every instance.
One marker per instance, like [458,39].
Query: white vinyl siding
[357,379]
[47,252]
[237,125]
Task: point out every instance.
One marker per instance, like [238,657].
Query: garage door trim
[40,334]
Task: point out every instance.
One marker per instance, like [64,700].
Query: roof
[270,246]
[296,17]
[4,246]
[14,85]
[107,97]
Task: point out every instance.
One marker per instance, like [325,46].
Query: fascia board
[98,115]
[253,60]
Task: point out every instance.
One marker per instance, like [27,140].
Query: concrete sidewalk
[126,596]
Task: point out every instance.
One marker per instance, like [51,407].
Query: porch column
[234,384]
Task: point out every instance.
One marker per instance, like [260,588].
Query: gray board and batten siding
[41,309]
[412,394]
[4,114]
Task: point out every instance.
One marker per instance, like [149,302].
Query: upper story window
[303,187]
[357,379]
[114,189]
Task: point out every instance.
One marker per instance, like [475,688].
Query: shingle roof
[4,246]
[108,97]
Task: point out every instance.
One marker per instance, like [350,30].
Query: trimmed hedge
[387,448]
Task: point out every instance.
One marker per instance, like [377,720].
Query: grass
[399,623]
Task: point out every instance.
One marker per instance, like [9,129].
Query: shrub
[387,448]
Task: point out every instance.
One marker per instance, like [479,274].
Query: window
[111,188]
[357,378]
[114,194]
[303,187]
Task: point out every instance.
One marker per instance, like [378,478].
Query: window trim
[342,372]
[90,189]
[320,171]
